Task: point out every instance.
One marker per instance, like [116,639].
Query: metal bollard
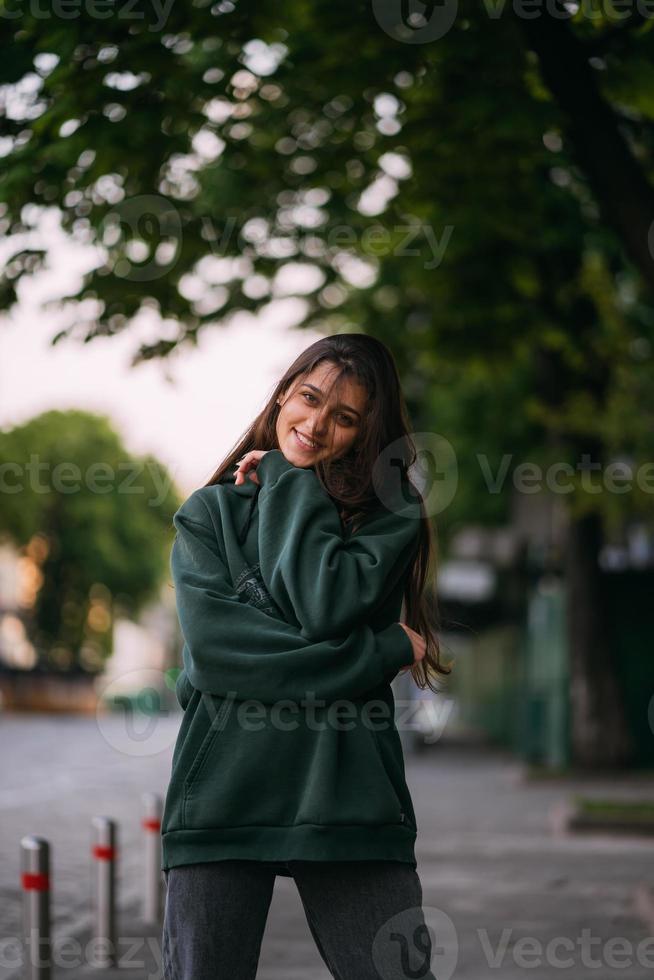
[152,809]
[35,882]
[103,898]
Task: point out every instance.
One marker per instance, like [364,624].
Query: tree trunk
[617,179]
[599,731]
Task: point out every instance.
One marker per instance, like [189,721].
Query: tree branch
[615,176]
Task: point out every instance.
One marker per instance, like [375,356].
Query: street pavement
[505,895]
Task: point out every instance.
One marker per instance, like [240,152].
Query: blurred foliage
[96,523]
[454,198]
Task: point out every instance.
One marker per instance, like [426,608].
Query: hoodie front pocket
[200,724]
[252,771]
[217,710]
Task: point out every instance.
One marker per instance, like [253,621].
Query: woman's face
[329,425]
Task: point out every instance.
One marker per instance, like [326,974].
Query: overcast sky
[189,421]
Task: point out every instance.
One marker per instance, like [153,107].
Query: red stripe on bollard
[35,882]
[103,853]
[151,824]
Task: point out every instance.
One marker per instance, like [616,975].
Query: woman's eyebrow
[340,404]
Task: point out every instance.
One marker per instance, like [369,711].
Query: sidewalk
[498,883]
[138,952]
[488,858]
[490,865]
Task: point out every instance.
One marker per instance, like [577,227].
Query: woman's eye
[345,419]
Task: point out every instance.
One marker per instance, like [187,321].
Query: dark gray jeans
[365,916]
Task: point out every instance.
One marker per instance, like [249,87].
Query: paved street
[486,857]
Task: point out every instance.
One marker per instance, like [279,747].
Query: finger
[242,473]
[244,468]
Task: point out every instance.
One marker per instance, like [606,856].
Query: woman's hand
[417,642]
[247,464]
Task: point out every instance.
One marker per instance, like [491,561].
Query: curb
[565,819]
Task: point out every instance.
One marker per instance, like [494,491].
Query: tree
[96,523]
[471,201]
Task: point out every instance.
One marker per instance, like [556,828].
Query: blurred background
[190,195]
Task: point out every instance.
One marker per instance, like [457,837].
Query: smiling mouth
[304,441]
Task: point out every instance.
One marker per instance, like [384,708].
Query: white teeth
[305,442]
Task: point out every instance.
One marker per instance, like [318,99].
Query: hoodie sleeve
[318,579]
[232,646]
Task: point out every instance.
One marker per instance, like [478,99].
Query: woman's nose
[317,425]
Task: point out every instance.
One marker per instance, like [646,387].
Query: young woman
[291,567]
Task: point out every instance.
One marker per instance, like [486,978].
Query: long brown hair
[349,479]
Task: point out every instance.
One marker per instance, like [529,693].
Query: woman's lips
[307,449]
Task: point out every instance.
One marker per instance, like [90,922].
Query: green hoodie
[288,747]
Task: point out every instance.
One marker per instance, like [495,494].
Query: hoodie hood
[253,489]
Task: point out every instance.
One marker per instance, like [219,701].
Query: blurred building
[139,648]
[142,651]
[502,601]
[17,576]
